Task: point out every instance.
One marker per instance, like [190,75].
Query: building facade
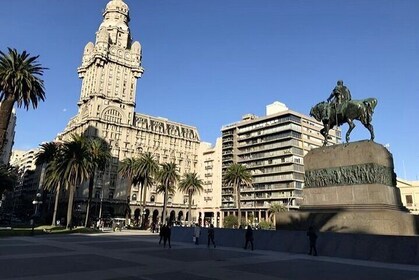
[109,72]
[28,185]
[209,201]
[272,147]
[409,192]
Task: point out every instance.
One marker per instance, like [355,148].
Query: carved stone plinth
[350,188]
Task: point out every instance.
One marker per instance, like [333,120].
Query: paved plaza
[137,255]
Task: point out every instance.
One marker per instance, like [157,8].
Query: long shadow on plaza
[196,254]
[312,269]
[59,265]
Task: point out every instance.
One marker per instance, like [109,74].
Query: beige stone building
[209,201]
[272,147]
[109,72]
[409,192]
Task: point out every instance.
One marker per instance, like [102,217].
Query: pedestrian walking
[197,233]
[166,236]
[211,235]
[162,232]
[312,236]
[249,237]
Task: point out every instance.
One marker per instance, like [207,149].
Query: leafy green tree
[20,83]
[265,225]
[100,154]
[236,176]
[191,184]
[167,176]
[231,221]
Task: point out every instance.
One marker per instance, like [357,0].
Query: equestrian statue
[340,108]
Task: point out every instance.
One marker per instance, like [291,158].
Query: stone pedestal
[350,188]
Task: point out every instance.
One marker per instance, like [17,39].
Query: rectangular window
[409,200]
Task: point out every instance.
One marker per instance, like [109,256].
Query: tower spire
[110,67]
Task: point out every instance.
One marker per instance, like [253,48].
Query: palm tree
[50,179]
[237,175]
[129,169]
[20,83]
[100,154]
[191,184]
[148,168]
[54,181]
[8,177]
[274,209]
[74,164]
[168,176]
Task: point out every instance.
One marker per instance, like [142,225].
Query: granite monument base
[350,188]
[384,222]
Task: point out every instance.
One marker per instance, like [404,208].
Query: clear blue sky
[207,63]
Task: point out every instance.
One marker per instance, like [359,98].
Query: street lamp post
[37,201]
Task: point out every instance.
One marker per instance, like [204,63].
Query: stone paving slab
[13,242]
[131,255]
[195,254]
[177,275]
[82,238]
[299,269]
[59,265]
[29,249]
[115,245]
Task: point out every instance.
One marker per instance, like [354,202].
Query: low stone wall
[382,248]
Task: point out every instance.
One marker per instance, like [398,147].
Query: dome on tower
[117,6]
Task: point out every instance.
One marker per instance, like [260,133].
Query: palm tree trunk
[6,109]
[238,205]
[190,209]
[89,199]
[57,195]
[164,205]
[70,206]
[144,202]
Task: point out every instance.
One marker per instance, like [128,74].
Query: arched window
[112,115]
[134,197]
[152,198]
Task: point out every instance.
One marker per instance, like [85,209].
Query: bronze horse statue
[337,114]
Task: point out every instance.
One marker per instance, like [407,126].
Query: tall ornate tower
[110,69]
[109,72]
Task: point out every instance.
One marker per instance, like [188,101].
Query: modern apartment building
[272,147]
[25,160]
[409,192]
[28,184]
[109,72]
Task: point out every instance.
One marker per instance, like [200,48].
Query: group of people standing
[165,232]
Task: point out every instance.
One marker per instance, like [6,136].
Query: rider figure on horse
[339,95]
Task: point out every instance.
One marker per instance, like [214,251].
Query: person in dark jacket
[312,236]
[166,235]
[249,237]
[211,235]
[162,232]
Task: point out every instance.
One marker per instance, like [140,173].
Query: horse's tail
[370,104]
